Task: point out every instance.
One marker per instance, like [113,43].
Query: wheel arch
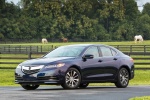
[77,67]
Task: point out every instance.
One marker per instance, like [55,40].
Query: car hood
[44,61]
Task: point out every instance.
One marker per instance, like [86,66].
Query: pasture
[8,62]
[145,42]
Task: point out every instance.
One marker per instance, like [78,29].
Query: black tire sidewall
[28,87]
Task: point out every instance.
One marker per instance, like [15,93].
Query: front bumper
[43,77]
[39,82]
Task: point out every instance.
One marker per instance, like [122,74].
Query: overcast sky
[139,2]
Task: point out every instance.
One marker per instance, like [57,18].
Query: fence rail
[143,52]
[128,49]
[9,49]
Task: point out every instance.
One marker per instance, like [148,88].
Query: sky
[140,3]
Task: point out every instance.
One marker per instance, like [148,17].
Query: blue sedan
[75,66]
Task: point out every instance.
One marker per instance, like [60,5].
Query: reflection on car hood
[44,61]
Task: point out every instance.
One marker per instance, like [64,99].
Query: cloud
[141,3]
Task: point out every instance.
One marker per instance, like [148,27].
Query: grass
[147,42]
[142,66]
[141,78]
[141,98]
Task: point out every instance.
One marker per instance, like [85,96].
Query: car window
[93,50]
[113,52]
[106,51]
[65,51]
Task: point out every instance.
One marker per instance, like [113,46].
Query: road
[90,93]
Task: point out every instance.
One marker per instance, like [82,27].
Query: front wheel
[72,79]
[30,87]
[122,78]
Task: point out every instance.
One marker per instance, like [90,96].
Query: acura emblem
[29,67]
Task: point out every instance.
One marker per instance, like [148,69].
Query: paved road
[57,93]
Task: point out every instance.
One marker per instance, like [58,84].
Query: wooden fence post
[29,55]
[144,50]
[130,48]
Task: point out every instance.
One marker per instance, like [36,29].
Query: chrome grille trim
[31,69]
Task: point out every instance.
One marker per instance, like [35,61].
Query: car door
[109,63]
[90,66]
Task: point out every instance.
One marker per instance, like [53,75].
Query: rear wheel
[83,85]
[122,78]
[72,79]
[30,87]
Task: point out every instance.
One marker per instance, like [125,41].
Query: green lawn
[147,42]
[142,77]
[141,98]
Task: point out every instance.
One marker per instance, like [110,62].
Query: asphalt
[90,93]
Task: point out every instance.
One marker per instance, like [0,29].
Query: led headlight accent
[57,65]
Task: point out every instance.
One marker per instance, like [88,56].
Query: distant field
[147,42]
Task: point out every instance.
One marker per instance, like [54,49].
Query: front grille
[31,71]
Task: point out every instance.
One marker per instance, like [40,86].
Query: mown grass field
[142,77]
[7,70]
[141,98]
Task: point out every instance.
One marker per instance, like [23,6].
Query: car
[75,66]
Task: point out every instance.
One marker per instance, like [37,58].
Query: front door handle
[115,59]
[100,60]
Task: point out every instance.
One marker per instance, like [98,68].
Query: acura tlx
[75,66]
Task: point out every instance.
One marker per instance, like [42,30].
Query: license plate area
[29,78]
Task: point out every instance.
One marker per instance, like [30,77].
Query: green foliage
[143,26]
[146,9]
[77,20]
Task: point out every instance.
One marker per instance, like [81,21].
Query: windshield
[66,51]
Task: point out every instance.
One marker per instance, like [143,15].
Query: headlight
[56,65]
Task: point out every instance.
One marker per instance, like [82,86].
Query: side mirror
[88,56]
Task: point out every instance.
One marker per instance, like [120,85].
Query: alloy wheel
[72,79]
[123,78]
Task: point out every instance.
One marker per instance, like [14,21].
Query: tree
[131,9]
[146,9]
[2,4]
[143,26]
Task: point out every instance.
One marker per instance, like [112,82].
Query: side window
[93,50]
[106,51]
[113,52]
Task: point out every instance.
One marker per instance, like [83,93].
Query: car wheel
[122,78]
[30,87]
[83,85]
[72,79]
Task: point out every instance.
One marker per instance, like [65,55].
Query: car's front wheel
[122,78]
[72,79]
[30,87]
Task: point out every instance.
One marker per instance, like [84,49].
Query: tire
[30,87]
[72,79]
[83,85]
[122,78]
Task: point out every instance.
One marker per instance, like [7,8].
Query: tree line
[77,20]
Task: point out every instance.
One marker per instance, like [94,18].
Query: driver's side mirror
[88,56]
